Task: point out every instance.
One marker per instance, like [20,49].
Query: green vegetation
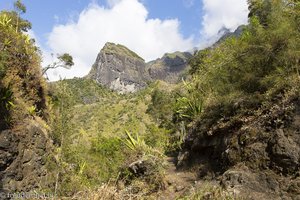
[181,55]
[173,55]
[64,60]
[99,135]
[21,84]
[119,49]
[263,61]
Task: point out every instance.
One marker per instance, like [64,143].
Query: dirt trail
[178,182]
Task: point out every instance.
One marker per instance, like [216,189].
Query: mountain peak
[112,48]
[119,69]
[122,70]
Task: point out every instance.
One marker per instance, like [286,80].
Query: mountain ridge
[122,70]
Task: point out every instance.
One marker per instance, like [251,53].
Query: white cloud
[125,22]
[220,14]
[47,57]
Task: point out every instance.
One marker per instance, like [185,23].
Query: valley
[221,122]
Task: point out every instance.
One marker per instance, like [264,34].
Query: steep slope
[255,154]
[246,132]
[24,155]
[24,142]
[227,34]
[119,69]
[92,137]
[122,70]
[170,67]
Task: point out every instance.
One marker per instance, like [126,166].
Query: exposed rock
[285,152]
[256,154]
[23,156]
[182,158]
[142,167]
[226,33]
[119,68]
[294,187]
[8,150]
[246,184]
[122,70]
[170,67]
[138,168]
[117,85]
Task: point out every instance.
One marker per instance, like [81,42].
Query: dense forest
[230,129]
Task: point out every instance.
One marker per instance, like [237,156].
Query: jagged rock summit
[119,69]
[122,70]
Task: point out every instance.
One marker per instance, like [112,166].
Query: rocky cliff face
[122,70]
[119,69]
[23,157]
[170,67]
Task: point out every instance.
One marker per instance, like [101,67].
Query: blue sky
[149,27]
[44,14]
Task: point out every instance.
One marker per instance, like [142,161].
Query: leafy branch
[65,60]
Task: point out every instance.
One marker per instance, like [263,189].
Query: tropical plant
[189,104]
[20,74]
[139,146]
[134,143]
[6,96]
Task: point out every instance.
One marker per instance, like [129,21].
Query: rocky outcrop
[122,70]
[226,33]
[255,154]
[170,67]
[119,68]
[23,157]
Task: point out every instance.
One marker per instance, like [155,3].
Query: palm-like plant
[134,143]
[190,105]
[187,108]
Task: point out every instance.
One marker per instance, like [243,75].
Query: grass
[120,49]
[181,55]
[92,151]
[209,191]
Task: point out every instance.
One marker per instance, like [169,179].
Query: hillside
[223,123]
[122,70]
[170,68]
[119,68]
[25,144]
[94,139]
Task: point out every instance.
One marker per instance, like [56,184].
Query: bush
[21,82]
[160,107]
